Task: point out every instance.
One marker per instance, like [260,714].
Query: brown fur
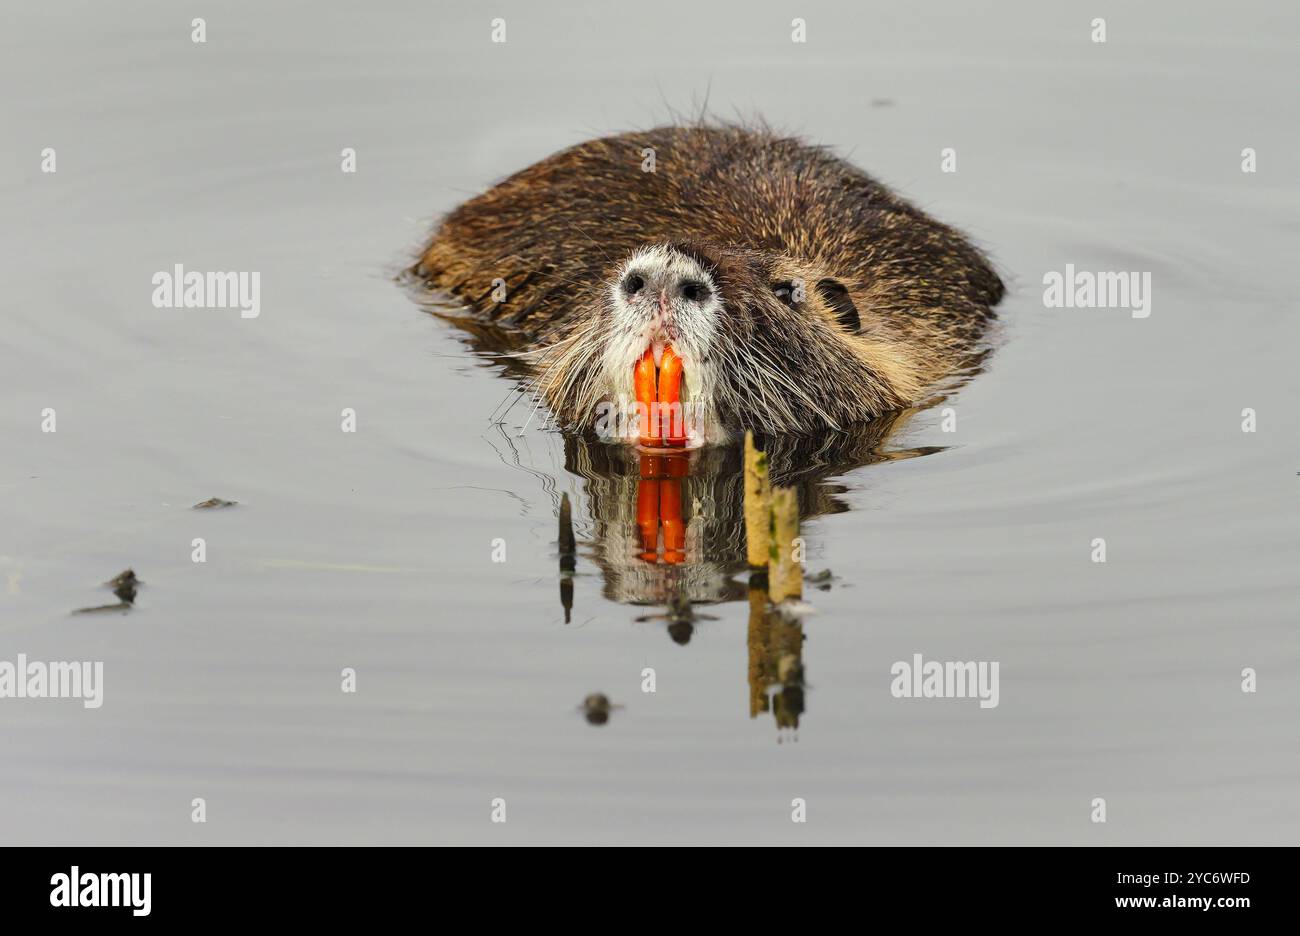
[755,209]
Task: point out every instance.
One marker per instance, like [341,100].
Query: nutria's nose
[666,286]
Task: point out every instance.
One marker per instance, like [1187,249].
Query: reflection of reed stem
[568,557]
[758,497]
[759,627]
[568,544]
[775,660]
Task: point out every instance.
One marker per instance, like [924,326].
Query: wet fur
[893,301]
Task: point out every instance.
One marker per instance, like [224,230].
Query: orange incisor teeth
[645,381]
[665,423]
[670,398]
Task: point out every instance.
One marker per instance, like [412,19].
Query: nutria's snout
[664,307]
[669,296]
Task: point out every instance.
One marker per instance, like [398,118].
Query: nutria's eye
[633,283]
[786,293]
[695,291]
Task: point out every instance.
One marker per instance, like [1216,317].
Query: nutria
[797,293]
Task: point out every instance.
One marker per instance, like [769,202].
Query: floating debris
[124,586]
[125,580]
[821,580]
[213,502]
[597,707]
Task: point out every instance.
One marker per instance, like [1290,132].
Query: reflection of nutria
[798,293]
[712,564]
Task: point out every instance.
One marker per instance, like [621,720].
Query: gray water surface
[373,550]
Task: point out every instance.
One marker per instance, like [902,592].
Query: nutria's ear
[835,295]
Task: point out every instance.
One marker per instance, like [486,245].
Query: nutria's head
[766,342]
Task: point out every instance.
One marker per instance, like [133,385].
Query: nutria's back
[798,292]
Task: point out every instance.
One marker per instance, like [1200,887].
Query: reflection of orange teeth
[644,381]
[647,517]
[670,514]
[666,465]
[676,465]
[659,504]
